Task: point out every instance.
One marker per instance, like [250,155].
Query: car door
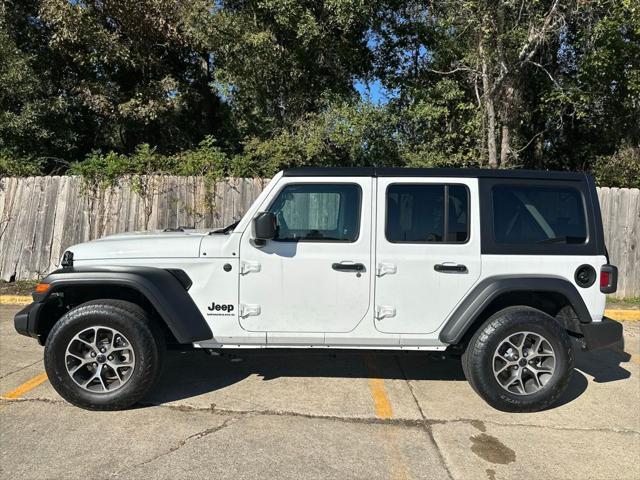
[314,276]
[428,251]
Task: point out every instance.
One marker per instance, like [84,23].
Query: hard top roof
[431,172]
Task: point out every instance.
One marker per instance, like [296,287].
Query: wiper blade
[226,229]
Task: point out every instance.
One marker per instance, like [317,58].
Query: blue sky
[373,91]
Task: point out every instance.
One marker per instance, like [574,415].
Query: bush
[208,160]
[619,170]
[15,166]
[101,171]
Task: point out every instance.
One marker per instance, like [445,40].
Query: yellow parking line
[623,315]
[382,404]
[15,300]
[378,391]
[380,399]
[25,387]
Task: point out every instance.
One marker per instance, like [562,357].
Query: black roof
[431,172]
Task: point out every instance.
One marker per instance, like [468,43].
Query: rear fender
[489,289]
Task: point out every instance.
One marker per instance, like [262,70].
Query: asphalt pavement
[323,416]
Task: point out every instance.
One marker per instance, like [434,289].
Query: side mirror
[264,226]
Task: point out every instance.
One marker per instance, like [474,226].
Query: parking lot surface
[320,416]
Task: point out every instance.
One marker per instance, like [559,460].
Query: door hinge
[385,311]
[249,310]
[385,269]
[248,267]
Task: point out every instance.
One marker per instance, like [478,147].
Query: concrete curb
[618,314]
[623,315]
[15,299]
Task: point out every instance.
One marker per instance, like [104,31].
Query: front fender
[160,287]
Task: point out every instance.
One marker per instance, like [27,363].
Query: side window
[317,212]
[427,213]
[532,214]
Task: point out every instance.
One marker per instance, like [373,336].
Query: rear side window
[538,215]
[317,212]
[427,213]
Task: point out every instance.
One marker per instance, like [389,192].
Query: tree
[489,48]
[596,111]
[279,60]
[137,68]
[34,120]
[509,83]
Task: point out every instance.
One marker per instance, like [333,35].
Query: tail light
[608,278]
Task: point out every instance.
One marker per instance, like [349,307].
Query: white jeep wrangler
[504,267]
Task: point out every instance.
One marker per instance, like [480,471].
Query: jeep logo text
[216,307]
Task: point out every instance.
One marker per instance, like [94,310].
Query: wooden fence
[41,216]
[621,218]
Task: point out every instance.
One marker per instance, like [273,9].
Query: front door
[428,251]
[315,275]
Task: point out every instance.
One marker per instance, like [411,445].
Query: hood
[141,245]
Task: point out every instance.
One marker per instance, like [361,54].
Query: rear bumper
[26,320]
[601,334]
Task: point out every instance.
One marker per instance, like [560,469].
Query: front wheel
[519,360]
[104,355]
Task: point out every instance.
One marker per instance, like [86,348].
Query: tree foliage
[130,87]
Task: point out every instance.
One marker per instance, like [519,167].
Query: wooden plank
[632,257]
[620,226]
[59,225]
[28,226]
[46,225]
[8,239]
[4,185]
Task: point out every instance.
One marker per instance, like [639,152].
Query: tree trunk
[538,151]
[208,98]
[489,109]
[504,146]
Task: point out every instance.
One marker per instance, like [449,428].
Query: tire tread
[478,347]
[153,349]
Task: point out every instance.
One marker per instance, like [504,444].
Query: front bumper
[26,320]
[601,334]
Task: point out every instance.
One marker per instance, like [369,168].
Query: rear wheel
[519,360]
[104,355]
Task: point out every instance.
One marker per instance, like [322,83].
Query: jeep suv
[507,268]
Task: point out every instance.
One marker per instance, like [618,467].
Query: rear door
[427,251]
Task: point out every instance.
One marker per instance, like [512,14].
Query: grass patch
[21,287]
[632,303]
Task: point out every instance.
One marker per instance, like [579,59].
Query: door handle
[348,267]
[443,267]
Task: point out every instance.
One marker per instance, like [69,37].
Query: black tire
[133,322]
[477,360]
